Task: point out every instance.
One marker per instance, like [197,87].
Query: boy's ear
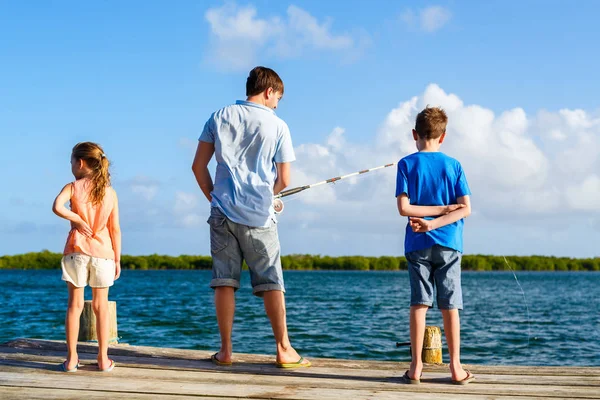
[415,135]
[269,92]
[442,138]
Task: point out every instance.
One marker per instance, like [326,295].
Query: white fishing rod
[278,203]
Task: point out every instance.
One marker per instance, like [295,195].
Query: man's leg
[226,271]
[225,306]
[275,307]
[452,331]
[417,333]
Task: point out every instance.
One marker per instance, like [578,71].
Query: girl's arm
[114,229]
[423,225]
[59,209]
[408,210]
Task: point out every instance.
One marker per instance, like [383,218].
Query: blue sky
[518,79]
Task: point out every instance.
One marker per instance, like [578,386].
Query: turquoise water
[342,314]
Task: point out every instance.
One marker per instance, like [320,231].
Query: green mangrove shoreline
[49,260]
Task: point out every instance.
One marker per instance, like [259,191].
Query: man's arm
[283,177]
[422,225]
[408,210]
[204,153]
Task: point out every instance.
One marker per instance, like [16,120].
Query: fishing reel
[278,205]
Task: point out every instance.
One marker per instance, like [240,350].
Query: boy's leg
[449,298]
[100,307]
[417,334]
[452,331]
[226,272]
[74,310]
[421,298]
[262,253]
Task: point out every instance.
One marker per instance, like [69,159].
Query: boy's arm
[204,153]
[409,210]
[422,225]
[283,177]
[59,209]
[114,229]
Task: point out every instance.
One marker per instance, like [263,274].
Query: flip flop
[468,379]
[63,367]
[297,364]
[408,380]
[216,361]
[110,367]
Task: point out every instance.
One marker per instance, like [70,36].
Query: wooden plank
[282,387]
[19,393]
[140,366]
[33,365]
[253,359]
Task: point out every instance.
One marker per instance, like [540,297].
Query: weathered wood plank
[32,365]
[19,393]
[151,367]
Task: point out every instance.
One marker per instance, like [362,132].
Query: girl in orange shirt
[93,250]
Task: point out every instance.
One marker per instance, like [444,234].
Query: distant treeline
[48,260]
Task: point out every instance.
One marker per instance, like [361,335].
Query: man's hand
[117,269]
[420,225]
[453,207]
[82,227]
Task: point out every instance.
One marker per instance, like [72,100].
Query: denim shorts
[438,267]
[232,243]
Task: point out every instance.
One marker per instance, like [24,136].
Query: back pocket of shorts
[265,240]
[219,235]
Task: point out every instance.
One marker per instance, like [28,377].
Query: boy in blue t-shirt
[430,184]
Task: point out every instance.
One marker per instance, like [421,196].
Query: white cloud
[430,19]
[144,186]
[523,175]
[238,36]
[186,210]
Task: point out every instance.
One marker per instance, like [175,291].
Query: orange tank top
[96,216]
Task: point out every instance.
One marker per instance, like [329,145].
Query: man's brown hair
[262,78]
[431,123]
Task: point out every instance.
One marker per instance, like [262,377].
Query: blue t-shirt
[432,179]
[249,139]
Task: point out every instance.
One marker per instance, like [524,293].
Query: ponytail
[98,163]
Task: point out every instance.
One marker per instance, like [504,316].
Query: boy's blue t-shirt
[432,179]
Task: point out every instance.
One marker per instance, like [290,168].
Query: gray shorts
[232,243]
[438,267]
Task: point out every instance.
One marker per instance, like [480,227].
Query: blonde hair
[431,123]
[96,160]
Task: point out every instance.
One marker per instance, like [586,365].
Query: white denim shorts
[81,270]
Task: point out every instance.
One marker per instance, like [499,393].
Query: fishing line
[524,300]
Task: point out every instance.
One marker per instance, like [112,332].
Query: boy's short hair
[431,123]
[262,78]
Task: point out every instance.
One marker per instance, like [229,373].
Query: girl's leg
[74,310]
[100,307]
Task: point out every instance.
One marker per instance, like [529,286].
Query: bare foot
[289,356]
[72,361]
[224,356]
[415,371]
[458,373]
[103,362]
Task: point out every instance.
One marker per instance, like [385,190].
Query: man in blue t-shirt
[253,150]
[430,184]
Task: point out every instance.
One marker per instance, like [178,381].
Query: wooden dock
[29,369]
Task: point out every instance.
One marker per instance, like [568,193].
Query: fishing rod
[278,203]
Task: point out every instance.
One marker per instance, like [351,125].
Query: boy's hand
[83,227]
[420,225]
[453,207]
[117,269]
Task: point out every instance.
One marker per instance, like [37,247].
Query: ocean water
[554,320]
